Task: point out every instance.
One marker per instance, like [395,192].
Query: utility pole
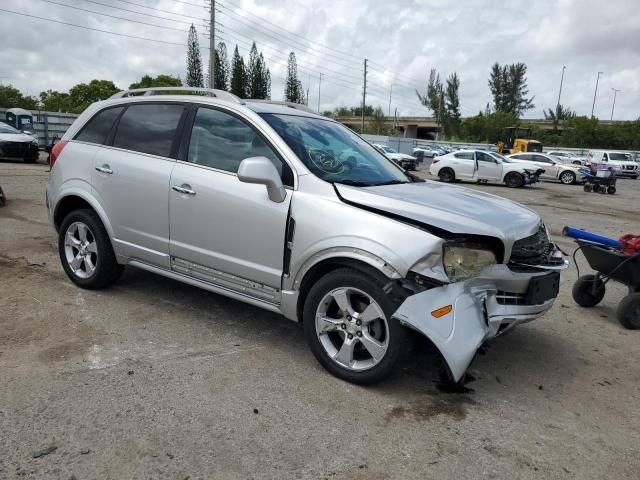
[319,85]
[390,92]
[615,92]
[308,84]
[212,45]
[595,93]
[560,92]
[364,94]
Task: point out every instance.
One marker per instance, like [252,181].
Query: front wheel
[629,311]
[349,326]
[588,291]
[514,180]
[85,251]
[568,178]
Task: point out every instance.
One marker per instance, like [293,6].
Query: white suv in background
[273,205]
[621,162]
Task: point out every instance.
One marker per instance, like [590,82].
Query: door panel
[488,169]
[226,225]
[135,197]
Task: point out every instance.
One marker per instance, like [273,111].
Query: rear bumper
[482,308]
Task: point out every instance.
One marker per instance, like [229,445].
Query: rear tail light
[56,151]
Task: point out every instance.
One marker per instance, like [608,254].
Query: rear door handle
[105,169]
[184,188]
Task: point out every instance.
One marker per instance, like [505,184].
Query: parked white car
[621,162]
[480,166]
[569,157]
[554,168]
[405,161]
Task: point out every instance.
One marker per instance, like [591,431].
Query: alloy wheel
[352,328]
[81,250]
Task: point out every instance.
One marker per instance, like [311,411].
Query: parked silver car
[251,200]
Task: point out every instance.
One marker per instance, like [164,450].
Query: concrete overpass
[427,127]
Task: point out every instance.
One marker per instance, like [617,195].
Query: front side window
[98,128]
[220,140]
[625,157]
[485,157]
[334,153]
[149,128]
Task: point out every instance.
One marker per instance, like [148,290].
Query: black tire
[635,177]
[30,160]
[107,269]
[514,180]
[588,188]
[629,311]
[567,178]
[447,175]
[596,188]
[584,292]
[351,278]
[611,190]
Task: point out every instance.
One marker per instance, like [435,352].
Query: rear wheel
[588,291]
[85,251]
[349,326]
[568,178]
[514,180]
[447,175]
[629,311]
[611,190]
[588,188]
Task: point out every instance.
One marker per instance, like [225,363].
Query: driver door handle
[105,169]
[184,188]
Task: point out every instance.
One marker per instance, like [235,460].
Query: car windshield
[620,156]
[334,153]
[387,149]
[500,158]
[7,129]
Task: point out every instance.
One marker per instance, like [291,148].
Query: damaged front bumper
[481,308]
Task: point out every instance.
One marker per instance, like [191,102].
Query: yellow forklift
[518,140]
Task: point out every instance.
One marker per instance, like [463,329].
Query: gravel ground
[156,379]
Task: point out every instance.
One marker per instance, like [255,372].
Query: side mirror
[260,170]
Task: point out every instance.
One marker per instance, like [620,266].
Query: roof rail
[221,94]
[297,106]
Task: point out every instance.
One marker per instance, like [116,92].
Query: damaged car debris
[318,226]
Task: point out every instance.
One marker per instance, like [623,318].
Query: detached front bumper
[481,308]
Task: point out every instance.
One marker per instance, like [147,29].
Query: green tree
[342,112]
[558,115]
[238,84]
[376,121]
[293,91]
[54,101]
[508,85]
[221,76]
[160,81]
[258,82]
[195,78]
[11,97]
[452,106]
[84,94]
[433,98]
[357,111]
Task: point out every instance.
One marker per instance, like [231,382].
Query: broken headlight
[462,263]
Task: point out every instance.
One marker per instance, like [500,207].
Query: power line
[289,32]
[114,16]
[158,9]
[93,29]
[143,13]
[277,36]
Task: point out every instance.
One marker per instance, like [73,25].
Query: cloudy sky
[402,39]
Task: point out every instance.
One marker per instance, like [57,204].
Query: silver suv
[273,205]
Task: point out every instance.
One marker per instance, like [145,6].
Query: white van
[622,162]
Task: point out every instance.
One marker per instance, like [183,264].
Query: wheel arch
[75,200]
[368,265]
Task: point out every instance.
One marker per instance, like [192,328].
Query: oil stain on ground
[430,407]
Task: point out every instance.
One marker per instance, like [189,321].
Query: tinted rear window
[148,128]
[98,128]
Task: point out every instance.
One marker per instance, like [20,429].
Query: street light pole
[595,93]
[560,92]
[390,93]
[615,92]
[319,85]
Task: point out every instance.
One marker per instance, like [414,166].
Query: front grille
[510,298]
[17,149]
[532,250]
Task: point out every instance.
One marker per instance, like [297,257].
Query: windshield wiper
[390,182]
[354,183]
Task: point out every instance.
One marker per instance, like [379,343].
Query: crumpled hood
[16,137]
[455,209]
